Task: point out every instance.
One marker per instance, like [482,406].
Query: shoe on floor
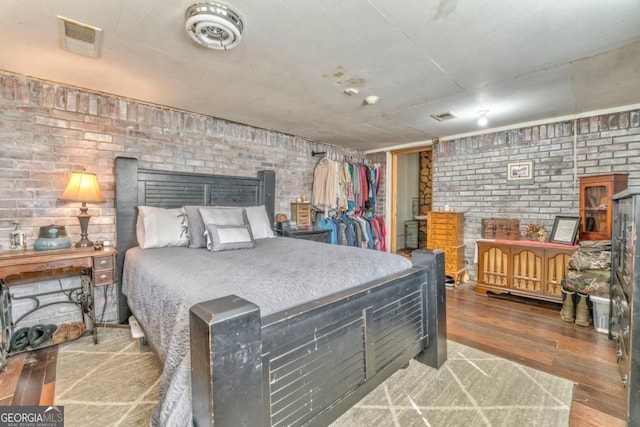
[76,329]
[60,335]
[19,339]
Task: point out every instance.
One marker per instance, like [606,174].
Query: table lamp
[83,187]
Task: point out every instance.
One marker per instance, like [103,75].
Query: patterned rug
[115,384]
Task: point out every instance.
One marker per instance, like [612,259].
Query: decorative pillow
[195,227]
[159,227]
[195,224]
[223,216]
[229,237]
[259,222]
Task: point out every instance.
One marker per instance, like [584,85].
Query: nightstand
[314,234]
[28,266]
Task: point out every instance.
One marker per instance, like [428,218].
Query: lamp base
[83,218]
[84,243]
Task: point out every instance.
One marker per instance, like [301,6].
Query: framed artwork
[520,173]
[565,230]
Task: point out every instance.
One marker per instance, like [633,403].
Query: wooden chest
[301,213]
[500,228]
[445,231]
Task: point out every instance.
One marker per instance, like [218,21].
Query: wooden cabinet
[301,213]
[523,268]
[445,231]
[596,204]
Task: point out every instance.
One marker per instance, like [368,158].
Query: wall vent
[79,38]
[443,117]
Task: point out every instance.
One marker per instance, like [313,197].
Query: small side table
[28,266]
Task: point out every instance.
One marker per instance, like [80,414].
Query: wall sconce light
[83,187]
[483,120]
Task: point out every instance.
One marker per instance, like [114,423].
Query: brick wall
[470,173]
[48,130]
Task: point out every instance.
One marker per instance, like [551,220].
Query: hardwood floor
[29,378]
[523,330]
[531,333]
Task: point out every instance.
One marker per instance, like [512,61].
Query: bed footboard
[308,365]
[226,345]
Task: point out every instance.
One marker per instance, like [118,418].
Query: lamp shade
[83,187]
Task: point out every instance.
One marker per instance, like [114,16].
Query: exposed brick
[48,95]
[59,97]
[72,100]
[22,90]
[624,120]
[101,137]
[47,121]
[8,88]
[35,92]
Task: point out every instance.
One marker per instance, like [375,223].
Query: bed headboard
[169,189]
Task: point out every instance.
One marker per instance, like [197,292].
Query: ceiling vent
[213,25]
[443,117]
[79,38]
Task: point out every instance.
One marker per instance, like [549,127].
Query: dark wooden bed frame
[303,366]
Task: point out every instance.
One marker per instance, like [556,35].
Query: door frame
[392,187]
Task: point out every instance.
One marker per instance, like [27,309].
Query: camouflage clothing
[589,269]
[591,282]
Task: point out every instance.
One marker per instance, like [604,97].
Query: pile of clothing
[588,273]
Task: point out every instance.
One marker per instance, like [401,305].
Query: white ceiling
[521,60]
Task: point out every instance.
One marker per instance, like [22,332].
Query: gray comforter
[162,284]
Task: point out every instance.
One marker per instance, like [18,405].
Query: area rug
[114,383]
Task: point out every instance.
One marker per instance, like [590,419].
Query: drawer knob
[103,262]
[103,276]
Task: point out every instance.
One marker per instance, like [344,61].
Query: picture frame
[565,230]
[520,173]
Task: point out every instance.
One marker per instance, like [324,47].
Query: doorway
[411,198]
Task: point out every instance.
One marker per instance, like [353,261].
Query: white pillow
[229,237]
[159,227]
[259,222]
[223,216]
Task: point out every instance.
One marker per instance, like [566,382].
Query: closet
[344,194]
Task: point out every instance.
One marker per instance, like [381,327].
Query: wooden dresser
[522,267]
[445,231]
[301,213]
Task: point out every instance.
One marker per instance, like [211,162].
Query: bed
[288,333]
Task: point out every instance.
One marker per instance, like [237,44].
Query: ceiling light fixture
[483,120]
[371,99]
[213,25]
[351,91]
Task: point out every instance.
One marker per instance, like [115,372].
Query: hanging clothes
[324,195]
[347,194]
